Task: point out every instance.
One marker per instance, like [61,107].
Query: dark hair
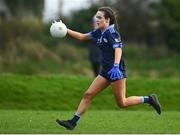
[109,13]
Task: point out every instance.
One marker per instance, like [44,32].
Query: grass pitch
[119,121]
[61,92]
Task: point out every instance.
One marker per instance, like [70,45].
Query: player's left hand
[114,72]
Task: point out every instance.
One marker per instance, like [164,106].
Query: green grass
[61,92]
[14,121]
[30,104]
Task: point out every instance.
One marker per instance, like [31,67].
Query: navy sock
[145,99]
[75,119]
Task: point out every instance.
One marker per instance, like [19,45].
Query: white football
[58,29]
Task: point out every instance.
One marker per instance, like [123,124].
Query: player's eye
[99,17]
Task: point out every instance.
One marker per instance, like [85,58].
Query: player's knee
[88,95]
[122,104]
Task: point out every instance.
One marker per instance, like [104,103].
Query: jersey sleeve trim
[90,35]
[117,45]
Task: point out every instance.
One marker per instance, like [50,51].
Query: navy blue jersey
[108,41]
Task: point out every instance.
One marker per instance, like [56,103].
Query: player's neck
[105,27]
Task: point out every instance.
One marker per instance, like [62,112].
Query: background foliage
[23,8]
[27,47]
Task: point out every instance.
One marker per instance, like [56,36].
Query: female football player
[113,70]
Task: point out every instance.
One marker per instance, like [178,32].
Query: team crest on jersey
[105,40]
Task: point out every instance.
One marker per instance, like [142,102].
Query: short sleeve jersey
[108,41]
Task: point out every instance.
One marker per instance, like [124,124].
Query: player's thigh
[99,84]
[119,89]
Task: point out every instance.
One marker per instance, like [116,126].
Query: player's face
[101,21]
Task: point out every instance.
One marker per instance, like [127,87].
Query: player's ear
[108,20]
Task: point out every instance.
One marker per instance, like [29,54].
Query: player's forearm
[118,53]
[77,35]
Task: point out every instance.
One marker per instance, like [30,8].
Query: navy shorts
[107,76]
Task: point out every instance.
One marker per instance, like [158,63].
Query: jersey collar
[109,27]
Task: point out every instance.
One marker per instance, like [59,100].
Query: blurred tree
[82,20]
[170,22]
[22,8]
[4,11]
[135,17]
